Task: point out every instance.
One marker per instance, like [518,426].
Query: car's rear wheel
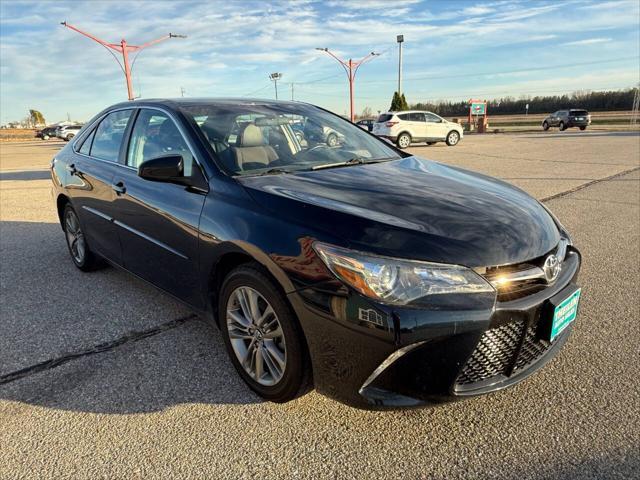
[403,140]
[262,335]
[332,140]
[81,254]
[545,126]
[583,128]
[69,137]
[453,138]
[561,126]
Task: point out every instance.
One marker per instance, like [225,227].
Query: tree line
[592,101]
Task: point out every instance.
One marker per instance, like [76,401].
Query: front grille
[503,351]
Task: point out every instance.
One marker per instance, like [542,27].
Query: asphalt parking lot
[102,376]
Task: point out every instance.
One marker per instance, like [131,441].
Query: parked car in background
[381,278]
[366,123]
[405,128]
[46,133]
[564,119]
[67,132]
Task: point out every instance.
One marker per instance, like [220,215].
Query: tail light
[391,124]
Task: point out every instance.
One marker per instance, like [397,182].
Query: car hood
[413,208]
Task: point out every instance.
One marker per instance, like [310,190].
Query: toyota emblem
[551,268]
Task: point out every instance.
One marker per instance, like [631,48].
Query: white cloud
[588,41]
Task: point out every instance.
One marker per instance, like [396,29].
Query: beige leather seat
[250,150]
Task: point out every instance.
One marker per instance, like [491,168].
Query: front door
[436,128]
[159,221]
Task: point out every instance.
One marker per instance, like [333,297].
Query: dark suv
[564,119]
[377,277]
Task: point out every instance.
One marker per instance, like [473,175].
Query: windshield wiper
[271,171]
[353,161]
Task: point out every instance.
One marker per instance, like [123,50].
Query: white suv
[67,132]
[405,128]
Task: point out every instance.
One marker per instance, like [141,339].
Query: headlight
[396,281]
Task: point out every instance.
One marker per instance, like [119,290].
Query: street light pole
[400,39]
[350,67]
[124,49]
[275,77]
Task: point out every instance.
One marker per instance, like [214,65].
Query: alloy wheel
[256,336]
[75,237]
[453,138]
[404,141]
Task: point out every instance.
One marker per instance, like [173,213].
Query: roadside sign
[478,108]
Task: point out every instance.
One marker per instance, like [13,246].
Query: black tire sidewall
[545,126]
[90,261]
[294,380]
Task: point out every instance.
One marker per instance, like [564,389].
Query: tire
[45,137]
[69,137]
[545,126]
[81,254]
[278,381]
[561,126]
[403,140]
[453,137]
[583,128]
[332,140]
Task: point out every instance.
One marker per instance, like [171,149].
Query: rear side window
[85,149]
[107,138]
[416,117]
[385,117]
[404,116]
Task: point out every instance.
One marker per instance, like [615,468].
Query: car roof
[181,101]
[406,111]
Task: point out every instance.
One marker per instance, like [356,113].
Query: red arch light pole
[350,67]
[124,49]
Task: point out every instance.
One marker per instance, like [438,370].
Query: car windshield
[257,138]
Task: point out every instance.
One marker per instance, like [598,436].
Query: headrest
[251,136]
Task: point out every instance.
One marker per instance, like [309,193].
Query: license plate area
[561,310]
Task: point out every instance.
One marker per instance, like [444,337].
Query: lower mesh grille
[499,353]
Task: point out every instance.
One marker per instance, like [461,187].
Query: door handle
[119,188]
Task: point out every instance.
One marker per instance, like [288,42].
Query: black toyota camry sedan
[376,277]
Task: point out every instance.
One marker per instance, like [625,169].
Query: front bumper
[375,356]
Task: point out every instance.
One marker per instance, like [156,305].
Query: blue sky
[453,50]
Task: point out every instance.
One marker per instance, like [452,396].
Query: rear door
[90,182]
[159,221]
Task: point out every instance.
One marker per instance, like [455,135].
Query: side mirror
[168,168]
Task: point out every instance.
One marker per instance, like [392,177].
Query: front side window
[109,134]
[253,138]
[155,135]
[431,118]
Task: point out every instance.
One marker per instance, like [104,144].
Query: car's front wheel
[545,126]
[403,140]
[262,335]
[81,254]
[561,126]
[453,138]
